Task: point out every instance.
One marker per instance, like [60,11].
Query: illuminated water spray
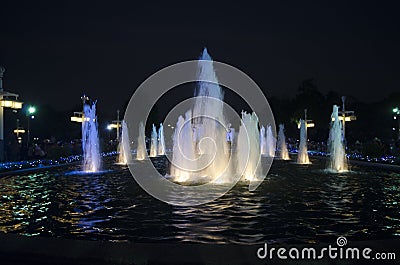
[302,156]
[90,139]
[153,142]
[248,148]
[336,148]
[141,148]
[205,130]
[161,140]
[124,149]
[281,147]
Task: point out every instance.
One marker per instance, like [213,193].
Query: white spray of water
[153,142]
[90,139]
[302,156]
[263,141]
[338,159]
[270,142]
[124,148]
[248,153]
[207,130]
[141,149]
[282,148]
[183,167]
[161,140]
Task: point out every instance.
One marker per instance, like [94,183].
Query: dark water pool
[295,204]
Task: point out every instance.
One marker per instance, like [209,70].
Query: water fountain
[161,140]
[336,148]
[153,142]
[141,148]
[302,155]
[248,162]
[124,147]
[182,167]
[208,134]
[270,142]
[282,148]
[90,139]
[263,141]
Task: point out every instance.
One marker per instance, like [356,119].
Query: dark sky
[54,52]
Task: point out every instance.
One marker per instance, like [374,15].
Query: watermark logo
[340,251]
[341,241]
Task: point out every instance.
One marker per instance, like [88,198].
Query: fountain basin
[294,205]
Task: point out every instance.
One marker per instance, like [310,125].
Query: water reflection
[294,205]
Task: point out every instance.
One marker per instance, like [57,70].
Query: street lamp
[115,125]
[345,116]
[30,115]
[19,130]
[7,100]
[78,115]
[309,123]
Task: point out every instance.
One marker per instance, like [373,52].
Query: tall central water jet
[90,139]
[208,131]
[302,155]
[282,148]
[336,148]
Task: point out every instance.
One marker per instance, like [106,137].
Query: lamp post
[396,116]
[345,116]
[309,123]
[7,100]
[30,115]
[19,130]
[115,124]
[78,115]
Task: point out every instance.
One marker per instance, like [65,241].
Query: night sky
[54,52]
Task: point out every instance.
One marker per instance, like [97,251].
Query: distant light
[395,117]
[394,129]
[32,117]
[31,110]
[7,103]
[395,110]
[19,130]
[112,126]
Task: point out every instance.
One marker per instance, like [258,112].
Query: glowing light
[19,131]
[113,126]
[78,117]
[347,118]
[11,104]
[31,110]
[310,124]
[395,110]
